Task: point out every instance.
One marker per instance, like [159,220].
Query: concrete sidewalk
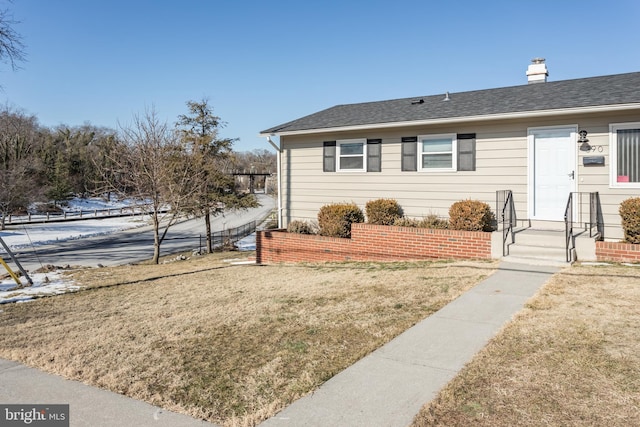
[88,406]
[389,386]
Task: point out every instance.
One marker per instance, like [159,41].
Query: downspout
[279,171]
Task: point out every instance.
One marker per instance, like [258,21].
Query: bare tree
[19,166]
[11,46]
[152,169]
[211,156]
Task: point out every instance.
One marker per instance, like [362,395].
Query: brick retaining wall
[617,252]
[371,242]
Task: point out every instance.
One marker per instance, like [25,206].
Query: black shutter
[374,155]
[466,151]
[409,153]
[329,156]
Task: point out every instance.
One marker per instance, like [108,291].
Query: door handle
[572,174]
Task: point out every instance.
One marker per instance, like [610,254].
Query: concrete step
[536,261]
[537,251]
[538,247]
[546,225]
[542,238]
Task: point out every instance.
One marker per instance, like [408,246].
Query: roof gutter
[464,119]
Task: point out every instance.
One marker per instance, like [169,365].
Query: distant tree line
[39,164]
[185,165]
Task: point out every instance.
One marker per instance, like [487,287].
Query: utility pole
[16,262]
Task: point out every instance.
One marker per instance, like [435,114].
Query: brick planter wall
[617,252]
[370,242]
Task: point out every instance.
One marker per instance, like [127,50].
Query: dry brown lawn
[229,344]
[571,358]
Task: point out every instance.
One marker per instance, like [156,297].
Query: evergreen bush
[335,220]
[383,211]
[471,215]
[630,215]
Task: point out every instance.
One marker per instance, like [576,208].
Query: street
[136,245]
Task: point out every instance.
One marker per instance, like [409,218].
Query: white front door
[552,168]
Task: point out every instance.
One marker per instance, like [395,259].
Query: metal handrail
[508,216]
[595,219]
[595,216]
[570,242]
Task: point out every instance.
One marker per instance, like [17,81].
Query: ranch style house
[547,154]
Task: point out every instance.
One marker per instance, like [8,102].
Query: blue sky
[263,63]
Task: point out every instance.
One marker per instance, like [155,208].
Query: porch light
[583,141]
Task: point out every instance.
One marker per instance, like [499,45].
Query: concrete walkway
[88,406]
[388,387]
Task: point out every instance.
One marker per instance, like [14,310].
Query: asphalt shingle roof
[587,92]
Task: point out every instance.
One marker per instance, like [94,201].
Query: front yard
[570,358]
[232,344]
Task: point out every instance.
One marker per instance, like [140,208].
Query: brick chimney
[537,71]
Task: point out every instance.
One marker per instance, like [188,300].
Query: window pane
[351,149]
[628,161]
[436,145]
[436,161]
[351,163]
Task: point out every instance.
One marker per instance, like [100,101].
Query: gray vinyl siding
[419,193]
[596,178]
[501,164]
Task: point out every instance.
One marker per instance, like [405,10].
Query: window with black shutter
[329,156]
[374,155]
[466,151]
[409,153]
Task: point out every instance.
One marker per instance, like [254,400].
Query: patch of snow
[44,284]
[96,203]
[245,262]
[19,236]
[95,207]
[247,244]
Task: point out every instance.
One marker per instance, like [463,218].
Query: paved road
[136,245]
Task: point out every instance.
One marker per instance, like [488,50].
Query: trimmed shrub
[630,215]
[300,227]
[471,215]
[430,221]
[382,211]
[335,220]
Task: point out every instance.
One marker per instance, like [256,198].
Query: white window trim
[454,152]
[613,157]
[339,155]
